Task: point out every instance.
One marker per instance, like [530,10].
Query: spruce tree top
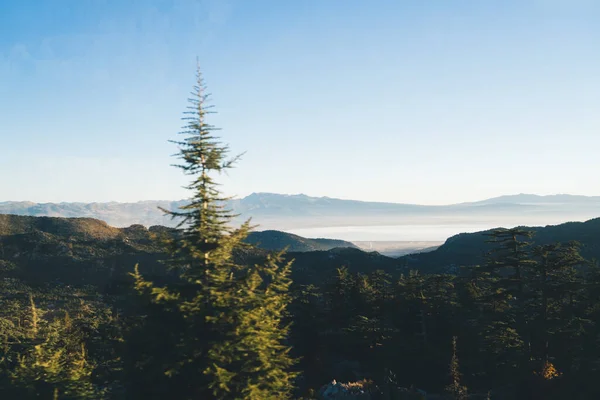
[208,238]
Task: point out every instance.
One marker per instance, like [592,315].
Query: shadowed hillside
[87,251]
[469,249]
[277,240]
[84,240]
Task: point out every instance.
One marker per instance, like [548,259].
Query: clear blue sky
[430,102]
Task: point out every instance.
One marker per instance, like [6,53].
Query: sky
[428,102]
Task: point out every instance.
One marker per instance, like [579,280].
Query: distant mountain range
[284,212]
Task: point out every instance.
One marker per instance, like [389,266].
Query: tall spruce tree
[502,285]
[510,260]
[229,339]
[456,389]
[557,290]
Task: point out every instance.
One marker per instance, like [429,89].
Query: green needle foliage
[226,339]
[47,356]
[456,389]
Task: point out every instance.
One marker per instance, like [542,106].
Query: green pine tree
[55,363]
[230,336]
[557,288]
[503,283]
[510,260]
[456,389]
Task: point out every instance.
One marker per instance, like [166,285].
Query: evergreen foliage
[45,351]
[228,341]
[456,389]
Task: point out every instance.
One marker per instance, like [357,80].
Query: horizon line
[305,195]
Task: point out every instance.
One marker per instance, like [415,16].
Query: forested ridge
[88,311]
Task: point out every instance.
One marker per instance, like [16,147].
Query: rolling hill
[83,250]
[469,249]
[94,229]
[277,240]
[79,251]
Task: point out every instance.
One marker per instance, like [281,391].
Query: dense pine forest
[199,312]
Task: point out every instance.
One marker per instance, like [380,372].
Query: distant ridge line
[503,198]
[287,212]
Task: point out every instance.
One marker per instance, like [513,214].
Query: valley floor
[398,248]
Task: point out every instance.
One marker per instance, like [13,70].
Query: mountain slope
[78,251]
[93,229]
[113,213]
[277,240]
[469,249]
[79,227]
